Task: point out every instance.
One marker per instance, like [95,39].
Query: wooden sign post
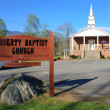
[28,48]
[51,72]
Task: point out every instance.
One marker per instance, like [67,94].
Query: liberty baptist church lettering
[18,44]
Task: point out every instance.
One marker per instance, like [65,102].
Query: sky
[55,13]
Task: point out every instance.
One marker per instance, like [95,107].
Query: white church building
[90,43]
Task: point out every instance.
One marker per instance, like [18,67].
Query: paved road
[86,78]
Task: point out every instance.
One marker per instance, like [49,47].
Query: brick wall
[78,45]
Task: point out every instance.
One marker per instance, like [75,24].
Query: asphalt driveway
[85,78]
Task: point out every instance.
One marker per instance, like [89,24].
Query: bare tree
[59,43]
[45,33]
[66,29]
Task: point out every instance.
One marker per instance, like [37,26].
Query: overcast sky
[55,13]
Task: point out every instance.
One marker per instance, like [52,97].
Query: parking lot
[85,78]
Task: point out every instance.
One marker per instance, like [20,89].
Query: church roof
[91,29]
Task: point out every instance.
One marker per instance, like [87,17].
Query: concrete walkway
[85,78]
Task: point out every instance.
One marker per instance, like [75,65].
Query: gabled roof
[91,31]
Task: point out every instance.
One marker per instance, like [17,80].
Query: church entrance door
[91,44]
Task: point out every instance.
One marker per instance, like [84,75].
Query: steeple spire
[91,11]
[91,20]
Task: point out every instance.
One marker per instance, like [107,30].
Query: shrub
[79,57]
[107,57]
[58,58]
[72,56]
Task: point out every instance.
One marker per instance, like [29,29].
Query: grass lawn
[61,56]
[45,102]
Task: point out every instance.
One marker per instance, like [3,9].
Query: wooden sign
[22,64]
[24,48]
[29,48]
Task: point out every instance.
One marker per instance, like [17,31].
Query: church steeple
[91,11]
[91,20]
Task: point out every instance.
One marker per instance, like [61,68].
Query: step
[91,55]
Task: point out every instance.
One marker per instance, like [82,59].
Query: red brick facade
[78,45]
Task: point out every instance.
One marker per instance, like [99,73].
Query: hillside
[11,33]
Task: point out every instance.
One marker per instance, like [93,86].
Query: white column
[72,43]
[109,41]
[84,42]
[64,54]
[97,42]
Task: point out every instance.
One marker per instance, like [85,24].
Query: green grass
[51,103]
[61,56]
